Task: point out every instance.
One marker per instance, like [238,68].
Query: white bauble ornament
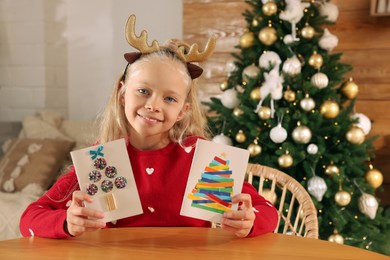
[319,80]
[364,122]
[288,39]
[301,134]
[222,139]
[330,10]
[328,41]
[269,59]
[317,187]
[250,72]
[368,205]
[278,134]
[292,66]
[229,98]
[336,238]
[307,103]
[312,149]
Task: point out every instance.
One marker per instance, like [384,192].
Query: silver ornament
[301,134]
[278,134]
[312,149]
[269,60]
[292,66]
[364,122]
[368,205]
[319,80]
[288,39]
[250,72]
[317,187]
[307,104]
[331,11]
[229,98]
[328,41]
[222,139]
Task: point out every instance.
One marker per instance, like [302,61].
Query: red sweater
[46,216]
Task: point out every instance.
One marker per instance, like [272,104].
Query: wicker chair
[284,191]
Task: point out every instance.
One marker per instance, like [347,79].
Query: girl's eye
[170,99]
[143,91]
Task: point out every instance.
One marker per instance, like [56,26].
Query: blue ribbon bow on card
[96,153]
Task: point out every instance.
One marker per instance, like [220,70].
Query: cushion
[34,127]
[30,161]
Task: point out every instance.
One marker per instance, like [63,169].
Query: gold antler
[194,54]
[141,42]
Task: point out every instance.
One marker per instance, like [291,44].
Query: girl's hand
[78,217]
[240,222]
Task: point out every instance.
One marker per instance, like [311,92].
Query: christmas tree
[290,101]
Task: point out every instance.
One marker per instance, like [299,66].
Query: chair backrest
[297,213]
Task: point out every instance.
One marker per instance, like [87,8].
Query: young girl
[155,108]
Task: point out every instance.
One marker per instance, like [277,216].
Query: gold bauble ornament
[332,170]
[264,113]
[308,32]
[255,94]
[285,160]
[269,195]
[355,135]
[268,36]
[247,40]
[250,72]
[301,134]
[254,149]
[374,177]
[336,238]
[289,95]
[350,89]
[316,60]
[330,109]
[224,84]
[269,8]
[240,136]
[342,198]
[238,112]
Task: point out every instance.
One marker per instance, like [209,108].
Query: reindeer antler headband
[185,52]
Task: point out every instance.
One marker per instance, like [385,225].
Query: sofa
[34,153]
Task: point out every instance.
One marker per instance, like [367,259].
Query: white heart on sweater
[149,170]
[188,149]
[16,172]
[23,161]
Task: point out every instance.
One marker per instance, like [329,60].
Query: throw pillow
[32,161]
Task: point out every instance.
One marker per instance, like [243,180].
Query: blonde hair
[113,121]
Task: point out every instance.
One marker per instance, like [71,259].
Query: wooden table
[177,244]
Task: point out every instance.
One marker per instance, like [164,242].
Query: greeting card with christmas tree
[217,174]
[104,172]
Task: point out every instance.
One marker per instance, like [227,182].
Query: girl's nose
[152,105]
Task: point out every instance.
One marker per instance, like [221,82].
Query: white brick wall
[33,58]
